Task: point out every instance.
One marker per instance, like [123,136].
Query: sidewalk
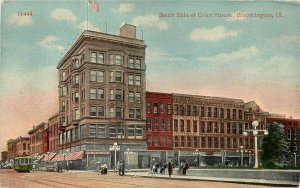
[217,179]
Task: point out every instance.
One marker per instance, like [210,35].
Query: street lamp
[67,159]
[295,156]
[242,156]
[115,148]
[255,131]
[128,157]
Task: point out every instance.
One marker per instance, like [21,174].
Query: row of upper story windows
[114,76]
[116,59]
[203,111]
[160,108]
[99,58]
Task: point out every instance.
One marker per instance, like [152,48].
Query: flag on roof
[94,5]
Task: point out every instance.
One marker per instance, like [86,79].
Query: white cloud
[125,7]
[235,18]
[151,21]
[156,55]
[48,42]
[212,35]
[242,54]
[20,20]
[63,14]
[83,25]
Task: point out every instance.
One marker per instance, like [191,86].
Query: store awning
[74,155]
[40,157]
[97,152]
[58,157]
[49,156]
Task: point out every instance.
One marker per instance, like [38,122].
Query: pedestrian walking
[170,169]
[185,167]
[119,167]
[123,167]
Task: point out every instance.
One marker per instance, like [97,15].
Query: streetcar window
[30,160]
[21,161]
[25,161]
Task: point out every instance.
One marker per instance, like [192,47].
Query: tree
[275,147]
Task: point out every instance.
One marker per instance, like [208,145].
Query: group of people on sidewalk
[182,169]
[121,167]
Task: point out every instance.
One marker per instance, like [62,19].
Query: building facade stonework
[102,95]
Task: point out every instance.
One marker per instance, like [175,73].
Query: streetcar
[23,164]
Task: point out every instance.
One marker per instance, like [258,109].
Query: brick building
[4,156]
[102,96]
[53,128]
[22,146]
[36,139]
[11,149]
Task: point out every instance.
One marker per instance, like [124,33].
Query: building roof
[88,34]
[41,126]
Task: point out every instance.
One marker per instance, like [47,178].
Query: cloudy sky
[203,53]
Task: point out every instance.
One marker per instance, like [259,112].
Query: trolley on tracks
[23,164]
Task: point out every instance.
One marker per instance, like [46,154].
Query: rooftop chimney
[128,31]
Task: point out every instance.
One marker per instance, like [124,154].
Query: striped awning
[49,156]
[40,157]
[69,156]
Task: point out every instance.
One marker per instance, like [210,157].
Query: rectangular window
[222,142]
[119,94]
[169,109]
[202,126]
[138,113]
[130,96]
[112,112]
[216,142]
[215,112]
[175,125]
[101,131]
[138,97]
[216,127]
[240,114]
[156,124]
[149,124]
[76,81]
[100,76]
[130,131]
[94,57]
[130,79]
[221,112]
[209,111]
[228,113]
[202,111]
[76,97]
[169,141]
[101,111]
[221,127]
[131,113]
[169,124]
[234,114]
[118,59]
[155,140]
[209,127]
[76,63]
[176,141]
[92,131]
[195,126]
[195,143]
[148,107]
[77,116]
[209,142]
[162,124]
[181,110]
[112,76]
[138,80]
[137,63]
[100,94]
[155,108]
[112,132]
[181,125]
[100,58]
[139,132]
[118,112]
[130,63]
[188,141]
[118,76]
[228,143]
[63,106]
[188,125]
[234,128]
[93,74]
[111,94]
[228,128]
[194,111]
[93,111]
[203,142]
[188,110]
[111,59]
[149,140]
[162,108]
[182,141]
[240,128]
[175,109]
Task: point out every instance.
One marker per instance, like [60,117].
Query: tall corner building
[102,97]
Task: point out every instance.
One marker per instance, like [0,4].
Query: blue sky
[246,58]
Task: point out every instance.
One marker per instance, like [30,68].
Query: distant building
[53,129]
[4,156]
[102,97]
[22,146]
[37,142]
[11,149]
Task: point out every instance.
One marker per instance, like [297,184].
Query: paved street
[10,178]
